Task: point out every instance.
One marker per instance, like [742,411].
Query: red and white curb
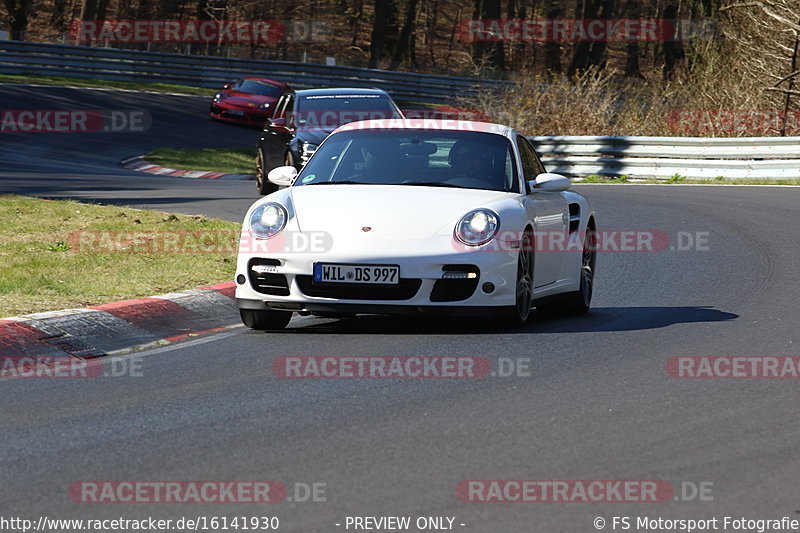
[140,164]
[120,327]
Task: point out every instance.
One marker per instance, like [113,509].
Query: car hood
[313,135]
[390,211]
[244,99]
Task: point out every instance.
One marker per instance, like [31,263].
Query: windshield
[330,111]
[469,160]
[259,87]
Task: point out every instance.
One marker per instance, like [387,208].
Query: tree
[19,13]
[673,49]
[767,35]
[591,53]
[406,44]
[632,11]
[384,31]
[552,49]
[483,52]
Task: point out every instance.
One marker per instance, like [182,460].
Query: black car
[303,119]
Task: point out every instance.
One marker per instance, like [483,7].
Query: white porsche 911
[416,217]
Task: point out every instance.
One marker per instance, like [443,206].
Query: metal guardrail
[651,157]
[664,157]
[209,71]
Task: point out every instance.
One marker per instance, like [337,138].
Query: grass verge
[62,254]
[233,160]
[107,84]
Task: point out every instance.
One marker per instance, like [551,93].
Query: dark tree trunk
[592,53]
[19,12]
[58,17]
[405,49]
[491,52]
[354,20]
[89,11]
[673,49]
[552,49]
[632,69]
[383,28]
[102,9]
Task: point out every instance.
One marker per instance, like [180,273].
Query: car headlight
[268,220]
[477,227]
[218,97]
[265,105]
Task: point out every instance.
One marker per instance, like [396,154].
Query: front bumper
[422,290]
[249,116]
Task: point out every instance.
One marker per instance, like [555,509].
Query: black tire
[266,319]
[263,185]
[578,302]
[518,314]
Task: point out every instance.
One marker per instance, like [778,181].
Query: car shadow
[601,319]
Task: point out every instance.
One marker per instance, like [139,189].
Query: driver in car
[473,162]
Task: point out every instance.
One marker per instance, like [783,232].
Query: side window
[288,111]
[278,113]
[531,166]
[280,107]
[539,164]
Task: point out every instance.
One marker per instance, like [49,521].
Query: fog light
[264,269]
[240,279]
[459,275]
[488,287]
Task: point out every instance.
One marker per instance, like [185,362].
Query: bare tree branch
[790,76]
[766,11]
[784,91]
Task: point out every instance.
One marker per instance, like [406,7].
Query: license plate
[347,273]
[237,112]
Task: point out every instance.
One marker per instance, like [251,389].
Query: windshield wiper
[431,184]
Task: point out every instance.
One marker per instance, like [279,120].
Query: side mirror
[226,85]
[282,176]
[549,182]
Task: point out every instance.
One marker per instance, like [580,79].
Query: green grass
[107,84]
[595,178]
[233,160]
[683,180]
[57,254]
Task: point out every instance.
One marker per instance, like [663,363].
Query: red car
[248,101]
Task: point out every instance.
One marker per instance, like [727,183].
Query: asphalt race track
[598,403]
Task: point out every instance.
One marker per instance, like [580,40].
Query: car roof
[427,124]
[338,90]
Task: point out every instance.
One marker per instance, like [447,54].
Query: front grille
[405,290]
[453,290]
[574,217]
[242,118]
[267,282]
